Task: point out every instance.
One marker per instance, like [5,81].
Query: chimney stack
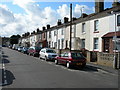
[48,26]
[65,19]
[115,3]
[99,6]
[74,18]
[84,15]
[38,30]
[33,32]
[59,22]
[43,28]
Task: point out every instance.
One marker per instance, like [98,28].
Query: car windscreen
[77,55]
[50,51]
[38,48]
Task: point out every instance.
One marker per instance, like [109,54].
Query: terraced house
[88,31]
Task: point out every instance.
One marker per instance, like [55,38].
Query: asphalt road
[23,71]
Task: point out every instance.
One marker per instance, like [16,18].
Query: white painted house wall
[60,37]
[32,40]
[54,38]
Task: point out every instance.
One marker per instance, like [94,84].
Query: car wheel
[68,65]
[83,65]
[33,54]
[56,61]
[29,54]
[39,56]
[45,58]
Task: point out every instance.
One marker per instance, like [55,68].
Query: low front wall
[105,59]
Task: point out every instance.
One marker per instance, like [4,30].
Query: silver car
[47,54]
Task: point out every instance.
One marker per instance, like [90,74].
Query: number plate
[78,63]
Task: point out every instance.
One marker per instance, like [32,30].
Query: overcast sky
[18,17]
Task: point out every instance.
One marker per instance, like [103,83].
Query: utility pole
[70,26]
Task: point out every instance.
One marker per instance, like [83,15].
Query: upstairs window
[62,32]
[83,27]
[118,20]
[54,33]
[44,34]
[62,42]
[96,24]
[49,34]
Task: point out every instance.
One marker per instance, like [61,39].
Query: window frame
[96,26]
[83,27]
[82,43]
[118,20]
[96,45]
[62,31]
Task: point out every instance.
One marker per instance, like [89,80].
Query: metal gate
[93,56]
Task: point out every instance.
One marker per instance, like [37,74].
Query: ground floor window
[95,43]
[62,43]
[58,44]
[83,43]
[66,43]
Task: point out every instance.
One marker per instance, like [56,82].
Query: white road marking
[5,77]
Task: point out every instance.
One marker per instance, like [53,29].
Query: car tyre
[56,61]
[45,58]
[39,56]
[68,65]
[29,54]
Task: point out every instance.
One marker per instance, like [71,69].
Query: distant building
[5,41]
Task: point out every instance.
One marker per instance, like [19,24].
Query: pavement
[103,68]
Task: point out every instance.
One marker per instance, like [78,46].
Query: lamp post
[70,26]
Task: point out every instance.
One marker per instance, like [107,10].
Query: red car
[71,59]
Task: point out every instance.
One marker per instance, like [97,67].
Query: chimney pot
[48,26]
[38,30]
[115,3]
[84,15]
[65,19]
[74,18]
[59,22]
[43,28]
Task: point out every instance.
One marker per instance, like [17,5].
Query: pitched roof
[111,34]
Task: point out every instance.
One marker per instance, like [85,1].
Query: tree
[14,39]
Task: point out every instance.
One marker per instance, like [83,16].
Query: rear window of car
[37,48]
[50,51]
[77,55]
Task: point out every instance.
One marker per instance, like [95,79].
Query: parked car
[25,50]
[47,54]
[71,59]
[10,46]
[20,48]
[15,47]
[34,51]
[0,46]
